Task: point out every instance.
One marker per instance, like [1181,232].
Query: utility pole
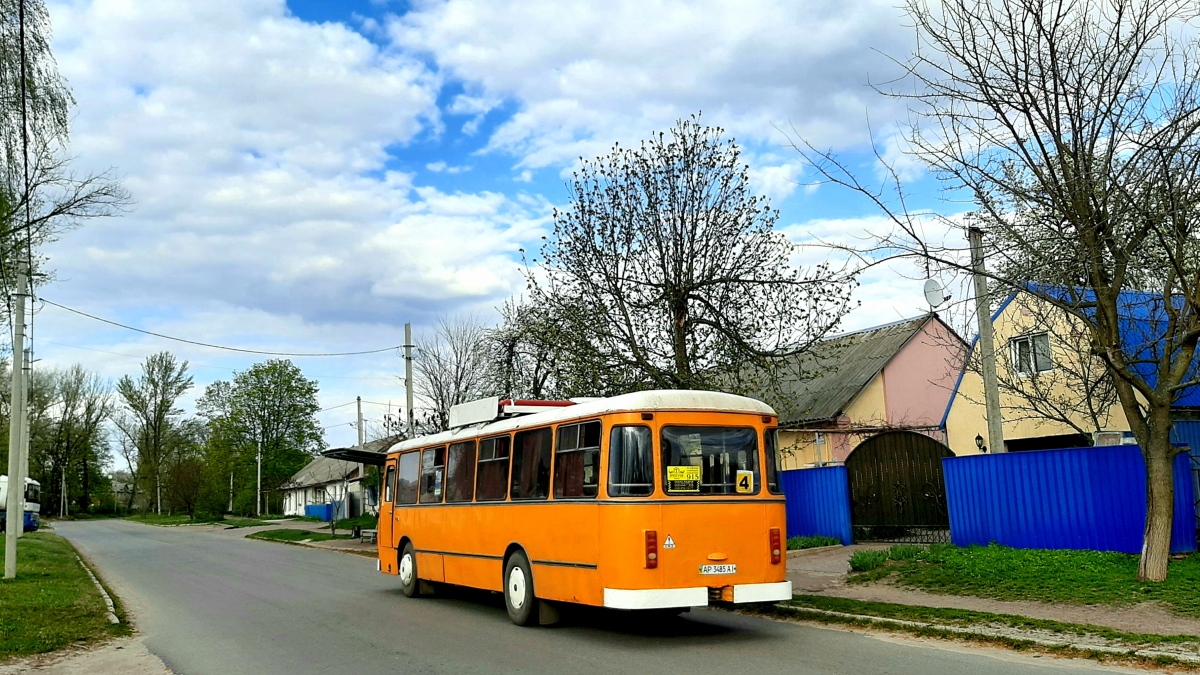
[361,489]
[15,521]
[987,344]
[408,381]
[258,511]
[23,434]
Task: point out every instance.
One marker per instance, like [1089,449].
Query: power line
[212,346]
[335,407]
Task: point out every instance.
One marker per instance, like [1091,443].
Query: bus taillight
[776,548]
[651,549]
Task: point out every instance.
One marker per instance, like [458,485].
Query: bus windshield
[710,460]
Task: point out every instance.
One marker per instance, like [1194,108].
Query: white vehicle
[30,504]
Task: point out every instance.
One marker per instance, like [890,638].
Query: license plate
[718,569]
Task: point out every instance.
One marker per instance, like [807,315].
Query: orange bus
[659,500]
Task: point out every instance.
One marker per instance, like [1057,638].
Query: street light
[979,443]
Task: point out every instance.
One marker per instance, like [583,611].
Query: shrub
[904,551]
[865,561]
[798,543]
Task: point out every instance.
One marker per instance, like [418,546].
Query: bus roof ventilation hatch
[494,408]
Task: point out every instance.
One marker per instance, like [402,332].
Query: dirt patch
[123,656]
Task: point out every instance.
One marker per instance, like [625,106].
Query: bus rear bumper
[664,598]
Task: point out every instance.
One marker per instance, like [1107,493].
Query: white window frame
[1032,367]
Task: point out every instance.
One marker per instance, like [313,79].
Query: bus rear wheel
[406,568]
[519,599]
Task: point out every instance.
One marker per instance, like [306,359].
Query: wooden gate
[897,492]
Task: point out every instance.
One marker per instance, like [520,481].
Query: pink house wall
[918,381]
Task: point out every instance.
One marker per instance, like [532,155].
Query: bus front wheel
[407,570]
[519,599]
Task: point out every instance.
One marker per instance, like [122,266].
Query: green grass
[366,521]
[184,519]
[1077,577]
[295,535]
[52,603]
[303,519]
[865,561]
[904,551]
[799,543]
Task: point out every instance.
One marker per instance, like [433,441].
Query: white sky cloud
[306,186]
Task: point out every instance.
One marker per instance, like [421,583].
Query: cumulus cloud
[586,75]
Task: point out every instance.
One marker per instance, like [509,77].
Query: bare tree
[450,367]
[1073,125]
[665,271]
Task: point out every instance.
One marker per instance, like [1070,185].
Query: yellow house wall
[967,416]
[798,448]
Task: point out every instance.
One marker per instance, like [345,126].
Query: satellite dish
[934,293]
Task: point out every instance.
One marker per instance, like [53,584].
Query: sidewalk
[823,572]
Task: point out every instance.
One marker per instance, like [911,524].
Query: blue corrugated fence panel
[1075,498]
[322,511]
[818,502]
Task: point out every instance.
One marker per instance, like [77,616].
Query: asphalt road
[213,602]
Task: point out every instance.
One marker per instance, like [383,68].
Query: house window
[1031,354]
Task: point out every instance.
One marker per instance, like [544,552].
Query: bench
[369,536]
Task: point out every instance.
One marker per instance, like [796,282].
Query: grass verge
[295,535]
[1014,632]
[184,519]
[1077,577]
[365,521]
[801,543]
[52,603]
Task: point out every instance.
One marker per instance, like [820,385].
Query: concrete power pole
[360,466]
[23,432]
[408,381]
[258,510]
[15,504]
[987,344]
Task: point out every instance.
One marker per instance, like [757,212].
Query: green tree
[150,414]
[667,271]
[266,415]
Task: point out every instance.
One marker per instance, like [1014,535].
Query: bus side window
[531,464]
[491,483]
[433,472]
[408,477]
[630,462]
[771,448]
[460,472]
[577,461]
[388,489]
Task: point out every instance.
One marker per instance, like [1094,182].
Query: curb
[983,632]
[796,553]
[112,610]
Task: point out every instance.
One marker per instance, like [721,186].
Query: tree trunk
[1160,507]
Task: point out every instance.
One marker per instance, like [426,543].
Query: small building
[327,481]
[851,387]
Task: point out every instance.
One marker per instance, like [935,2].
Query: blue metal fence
[1075,498]
[818,502]
[1188,433]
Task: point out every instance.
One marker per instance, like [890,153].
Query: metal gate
[897,491]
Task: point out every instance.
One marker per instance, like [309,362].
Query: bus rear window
[710,460]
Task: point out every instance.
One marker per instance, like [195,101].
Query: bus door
[387,548]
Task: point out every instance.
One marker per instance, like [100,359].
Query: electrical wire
[212,346]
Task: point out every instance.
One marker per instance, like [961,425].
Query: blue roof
[1143,322]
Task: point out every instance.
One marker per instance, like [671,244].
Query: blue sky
[310,175]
